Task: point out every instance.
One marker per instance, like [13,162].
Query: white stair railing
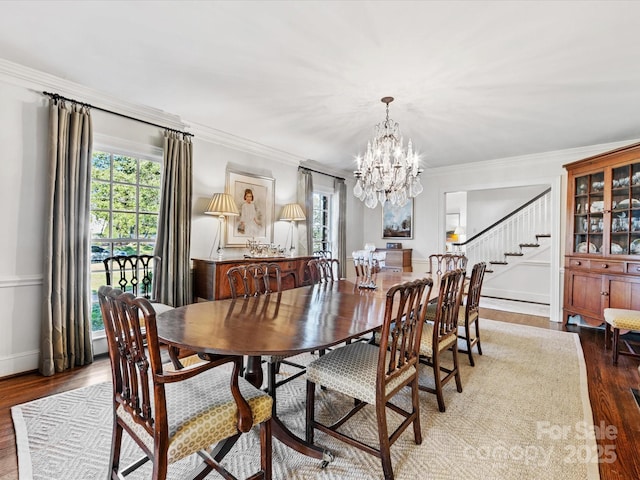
[523,226]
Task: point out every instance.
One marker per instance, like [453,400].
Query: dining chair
[618,319]
[135,274]
[444,262]
[374,374]
[364,268]
[440,334]
[252,280]
[323,270]
[469,312]
[171,414]
[322,253]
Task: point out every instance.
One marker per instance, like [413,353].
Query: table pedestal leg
[279,430]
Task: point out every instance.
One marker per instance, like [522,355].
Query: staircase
[516,250]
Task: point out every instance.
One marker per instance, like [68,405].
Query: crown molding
[38,82]
[555,157]
[224,139]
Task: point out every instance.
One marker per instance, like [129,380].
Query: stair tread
[497,262]
[513,254]
[529,245]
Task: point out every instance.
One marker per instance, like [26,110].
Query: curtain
[173,277]
[65,339]
[340,187]
[305,198]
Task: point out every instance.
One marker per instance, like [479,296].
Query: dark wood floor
[609,389]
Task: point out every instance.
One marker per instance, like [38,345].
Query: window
[125,201]
[321,222]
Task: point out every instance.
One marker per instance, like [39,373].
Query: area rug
[524,414]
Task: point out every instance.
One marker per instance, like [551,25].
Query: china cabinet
[602,253]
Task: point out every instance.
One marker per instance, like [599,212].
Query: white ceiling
[472,80]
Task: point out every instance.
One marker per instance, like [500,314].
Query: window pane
[149,199]
[150,173]
[124,197]
[100,195]
[148,227]
[100,224]
[125,169]
[124,225]
[101,166]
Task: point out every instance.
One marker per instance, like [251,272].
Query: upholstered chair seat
[353,371]
[621,321]
[201,411]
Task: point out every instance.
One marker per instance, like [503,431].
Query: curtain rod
[321,173]
[55,96]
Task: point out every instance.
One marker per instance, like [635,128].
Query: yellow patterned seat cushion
[622,319]
[426,342]
[431,312]
[461,314]
[201,412]
[352,370]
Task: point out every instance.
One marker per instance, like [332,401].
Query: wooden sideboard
[397,259]
[210,275]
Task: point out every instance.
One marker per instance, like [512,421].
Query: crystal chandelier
[387,172]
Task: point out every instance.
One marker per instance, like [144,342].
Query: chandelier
[387,172]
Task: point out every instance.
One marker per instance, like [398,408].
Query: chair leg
[616,340]
[477,322]
[385,446]
[438,381]
[607,335]
[266,449]
[271,384]
[469,345]
[116,443]
[415,400]
[457,368]
[311,400]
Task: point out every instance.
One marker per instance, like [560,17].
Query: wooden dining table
[288,323]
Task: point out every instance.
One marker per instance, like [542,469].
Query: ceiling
[473,81]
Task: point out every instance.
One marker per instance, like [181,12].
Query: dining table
[304,319]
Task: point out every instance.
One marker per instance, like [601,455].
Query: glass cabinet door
[625,210]
[588,215]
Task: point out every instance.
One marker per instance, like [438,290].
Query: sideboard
[397,259]
[210,275]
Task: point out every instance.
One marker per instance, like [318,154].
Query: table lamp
[292,212]
[223,205]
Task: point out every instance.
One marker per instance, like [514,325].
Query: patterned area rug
[524,414]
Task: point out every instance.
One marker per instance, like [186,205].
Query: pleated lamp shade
[292,212]
[222,204]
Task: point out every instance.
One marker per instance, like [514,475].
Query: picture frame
[397,222]
[255,221]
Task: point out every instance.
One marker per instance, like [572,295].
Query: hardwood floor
[609,389]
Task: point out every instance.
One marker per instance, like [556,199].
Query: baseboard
[19,363]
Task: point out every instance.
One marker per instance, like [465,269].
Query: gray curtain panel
[173,280]
[340,187]
[66,319]
[305,199]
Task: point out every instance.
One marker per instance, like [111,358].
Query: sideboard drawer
[607,266]
[578,263]
[633,268]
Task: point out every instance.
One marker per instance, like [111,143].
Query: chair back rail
[405,310]
[475,286]
[132,273]
[440,263]
[324,270]
[254,279]
[449,299]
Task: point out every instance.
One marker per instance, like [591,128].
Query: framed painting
[254,197]
[397,222]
